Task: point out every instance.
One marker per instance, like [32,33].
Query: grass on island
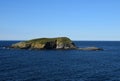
[44,40]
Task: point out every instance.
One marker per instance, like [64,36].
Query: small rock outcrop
[46,43]
[90,49]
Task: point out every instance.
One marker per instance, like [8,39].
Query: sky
[76,19]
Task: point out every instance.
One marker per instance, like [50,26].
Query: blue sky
[77,19]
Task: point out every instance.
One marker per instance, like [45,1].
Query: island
[51,43]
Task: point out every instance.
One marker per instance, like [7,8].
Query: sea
[61,65]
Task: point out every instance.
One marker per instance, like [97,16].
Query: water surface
[61,65]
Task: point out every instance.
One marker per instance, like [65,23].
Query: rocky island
[46,43]
[50,43]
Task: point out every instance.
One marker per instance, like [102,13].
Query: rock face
[46,43]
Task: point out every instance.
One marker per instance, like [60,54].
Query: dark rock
[50,45]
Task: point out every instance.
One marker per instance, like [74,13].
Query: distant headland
[50,43]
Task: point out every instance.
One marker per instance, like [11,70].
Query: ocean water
[61,65]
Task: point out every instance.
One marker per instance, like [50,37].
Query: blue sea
[61,65]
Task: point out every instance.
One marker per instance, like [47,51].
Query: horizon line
[72,40]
